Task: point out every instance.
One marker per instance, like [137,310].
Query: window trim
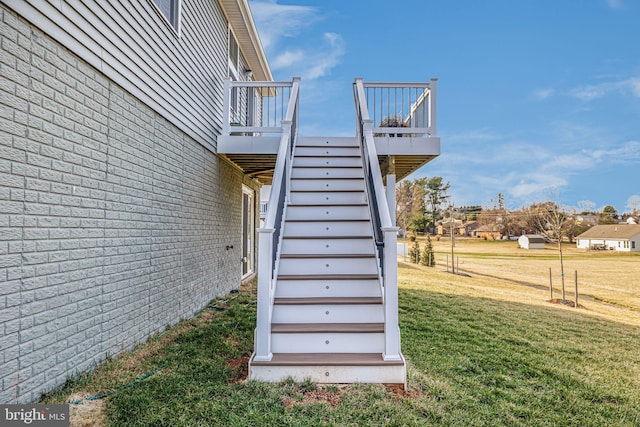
[177,28]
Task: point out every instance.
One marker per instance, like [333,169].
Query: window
[171,10]
[234,56]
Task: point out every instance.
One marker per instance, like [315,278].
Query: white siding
[179,76]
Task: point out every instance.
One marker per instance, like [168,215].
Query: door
[247,231]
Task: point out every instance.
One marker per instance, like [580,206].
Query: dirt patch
[400,391]
[321,395]
[87,413]
[240,368]
[565,302]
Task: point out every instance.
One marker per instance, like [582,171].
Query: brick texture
[113,223]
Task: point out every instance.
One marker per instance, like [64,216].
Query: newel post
[391,323]
[433,89]
[226,105]
[263,333]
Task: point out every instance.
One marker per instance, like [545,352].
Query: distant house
[531,241]
[619,237]
[487,232]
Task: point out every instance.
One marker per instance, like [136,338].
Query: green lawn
[479,353]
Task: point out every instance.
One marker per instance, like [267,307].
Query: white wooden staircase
[327,252]
[327,318]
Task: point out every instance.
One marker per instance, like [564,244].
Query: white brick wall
[113,223]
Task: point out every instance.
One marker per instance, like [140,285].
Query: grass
[481,351]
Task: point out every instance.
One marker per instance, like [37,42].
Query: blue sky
[537,99]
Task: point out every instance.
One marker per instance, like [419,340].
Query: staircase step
[326,162]
[328,265]
[328,359]
[324,172]
[327,198]
[327,276]
[327,342]
[310,288]
[328,229]
[300,328]
[332,301]
[327,184]
[327,212]
[327,247]
[330,368]
[326,256]
[328,310]
[320,141]
[327,151]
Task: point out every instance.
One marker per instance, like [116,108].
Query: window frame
[176,10]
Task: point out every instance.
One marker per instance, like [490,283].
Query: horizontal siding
[179,76]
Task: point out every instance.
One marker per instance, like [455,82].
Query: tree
[414,252]
[633,203]
[586,206]
[410,204]
[554,224]
[609,215]
[428,257]
[436,196]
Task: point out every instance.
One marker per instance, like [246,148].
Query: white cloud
[327,58]
[276,21]
[543,94]
[288,59]
[614,4]
[630,86]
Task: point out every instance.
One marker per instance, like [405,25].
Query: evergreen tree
[428,257]
[414,253]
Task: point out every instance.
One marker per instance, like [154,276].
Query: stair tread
[327,237]
[328,255]
[327,276]
[330,220]
[326,205]
[330,167]
[327,190]
[328,359]
[297,328]
[327,300]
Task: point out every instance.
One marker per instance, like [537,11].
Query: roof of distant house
[534,238]
[611,231]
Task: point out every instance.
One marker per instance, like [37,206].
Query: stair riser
[328,198]
[327,212]
[328,343]
[328,142]
[327,162]
[330,374]
[328,266]
[327,246]
[328,313]
[355,172]
[327,151]
[327,185]
[299,229]
[327,288]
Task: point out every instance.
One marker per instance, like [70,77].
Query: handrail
[270,235]
[402,109]
[385,231]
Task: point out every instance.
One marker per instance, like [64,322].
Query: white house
[531,241]
[118,214]
[619,237]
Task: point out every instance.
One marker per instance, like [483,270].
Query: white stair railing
[255,108]
[386,233]
[402,109]
[270,235]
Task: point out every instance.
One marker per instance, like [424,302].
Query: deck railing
[255,108]
[385,231]
[402,109]
[269,236]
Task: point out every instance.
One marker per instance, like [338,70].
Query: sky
[537,99]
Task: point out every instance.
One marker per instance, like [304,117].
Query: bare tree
[554,224]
